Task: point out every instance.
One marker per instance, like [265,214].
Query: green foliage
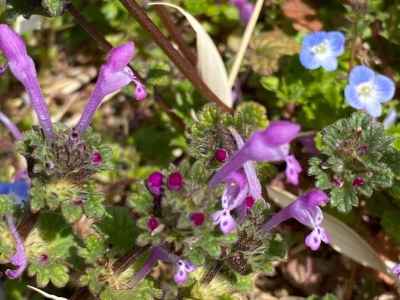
[357,158]
[48,248]
[49,8]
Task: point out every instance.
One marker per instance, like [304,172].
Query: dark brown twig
[180,61]
[175,34]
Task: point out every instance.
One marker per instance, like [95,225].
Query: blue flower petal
[336,41]
[308,60]
[20,189]
[351,96]
[374,108]
[329,63]
[386,88]
[360,74]
[313,39]
[4,188]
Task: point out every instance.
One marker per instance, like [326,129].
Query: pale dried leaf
[46,295]
[210,64]
[343,239]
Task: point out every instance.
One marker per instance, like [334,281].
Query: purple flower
[183,267]
[245,9]
[154,183]
[321,49]
[19,259]
[293,169]
[234,195]
[271,144]
[23,68]
[113,75]
[390,119]
[367,90]
[175,181]
[396,271]
[306,210]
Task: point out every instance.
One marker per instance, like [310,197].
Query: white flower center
[366,91]
[321,50]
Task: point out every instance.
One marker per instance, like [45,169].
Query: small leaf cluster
[357,158]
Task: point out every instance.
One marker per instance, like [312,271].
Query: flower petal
[293,169]
[313,39]
[308,59]
[374,108]
[385,87]
[280,132]
[336,41]
[360,74]
[329,63]
[313,240]
[352,98]
[180,276]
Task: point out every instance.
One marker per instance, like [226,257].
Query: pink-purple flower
[23,68]
[113,75]
[270,144]
[306,210]
[182,267]
[245,9]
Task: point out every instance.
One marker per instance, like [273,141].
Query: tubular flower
[11,127]
[306,210]
[245,9]
[366,90]
[19,259]
[396,270]
[321,49]
[234,195]
[113,75]
[271,144]
[23,68]
[182,267]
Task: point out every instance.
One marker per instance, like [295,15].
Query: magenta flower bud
[197,218]
[23,68]
[249,202]
[358,181]
[152,223]
[154,183]
[96,158]
[221,155]
[19,259]
[114,75]
[175,181]
[306,210]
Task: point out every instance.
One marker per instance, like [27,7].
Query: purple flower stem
[11,127]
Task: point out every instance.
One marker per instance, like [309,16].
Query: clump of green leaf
[357,158]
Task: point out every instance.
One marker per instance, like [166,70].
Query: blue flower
[19,189]
[320,49]
[366,90]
